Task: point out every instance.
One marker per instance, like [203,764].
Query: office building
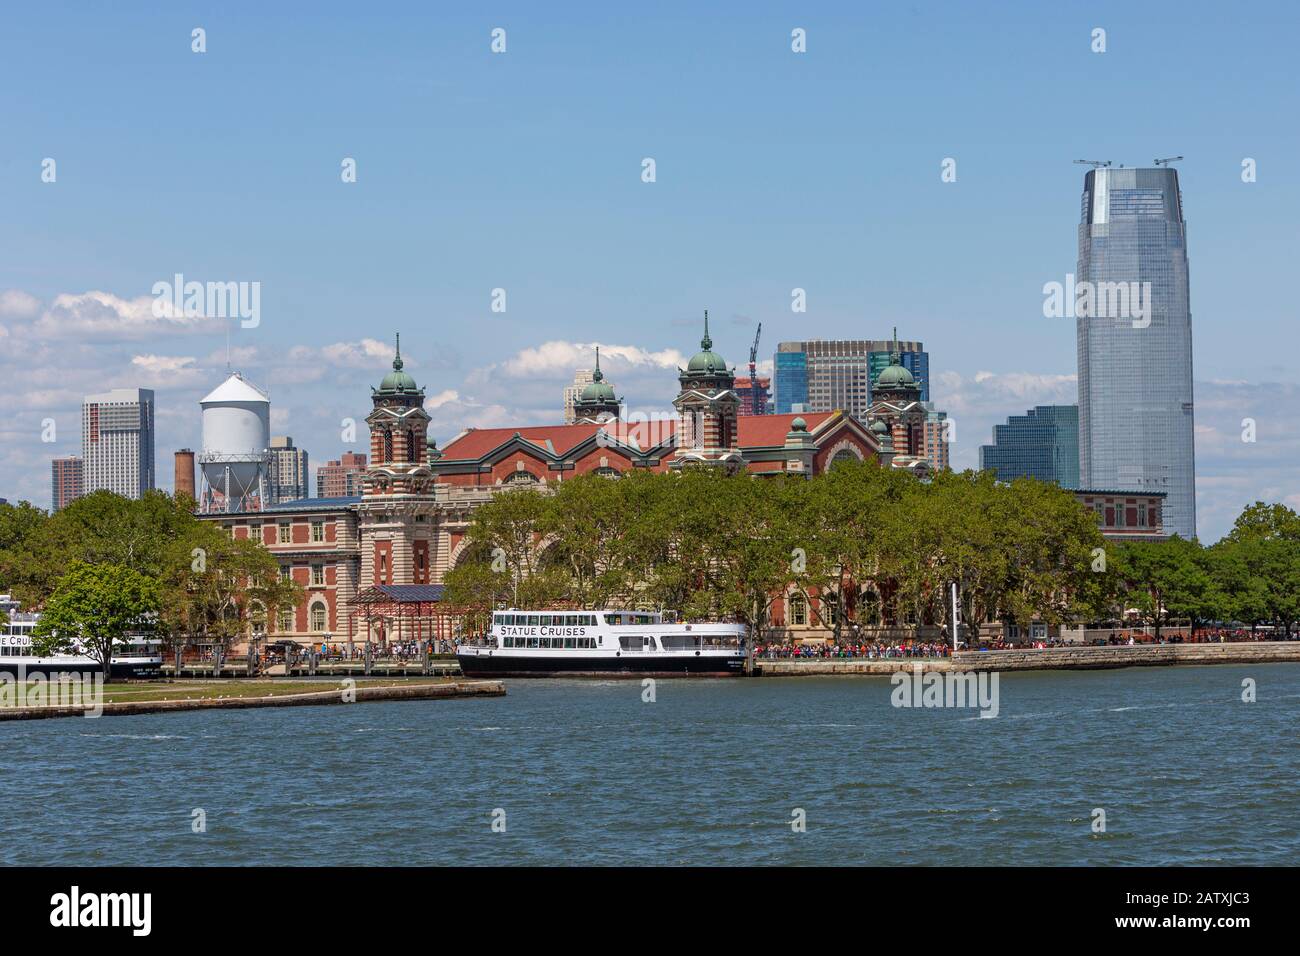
[1043,443]
[1135,362]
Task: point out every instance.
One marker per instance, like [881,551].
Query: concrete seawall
[1139,655]
[450,689]
[1055,658]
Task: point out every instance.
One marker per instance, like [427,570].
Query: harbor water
[710,772]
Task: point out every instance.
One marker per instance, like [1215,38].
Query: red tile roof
[762,431]
[753,431]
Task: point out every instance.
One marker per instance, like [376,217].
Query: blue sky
[522,171]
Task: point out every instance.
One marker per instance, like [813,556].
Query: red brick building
[407,527]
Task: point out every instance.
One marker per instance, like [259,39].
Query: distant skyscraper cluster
[826,374]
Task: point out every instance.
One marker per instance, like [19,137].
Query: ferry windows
[532,620]
[569,642]
[532,642]
[545,621]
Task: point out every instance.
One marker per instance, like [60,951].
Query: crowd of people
[860,650]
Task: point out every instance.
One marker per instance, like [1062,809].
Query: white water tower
[236,455]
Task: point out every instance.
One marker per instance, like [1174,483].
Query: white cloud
[561,359]
[102,316]
[366,353]
[18,304]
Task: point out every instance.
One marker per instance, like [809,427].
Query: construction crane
[1094,163]
[1166,162]
[753,355]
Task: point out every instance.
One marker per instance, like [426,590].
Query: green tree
[95,606]
[216,588]
[20,527]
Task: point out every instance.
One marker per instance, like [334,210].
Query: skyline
[520,171]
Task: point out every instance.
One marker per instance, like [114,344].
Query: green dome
[798,425]
[598,392]
[878,427]
[894,376]
[599,395]
[398,382]
[706,361]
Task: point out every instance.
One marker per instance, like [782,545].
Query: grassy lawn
[233,687]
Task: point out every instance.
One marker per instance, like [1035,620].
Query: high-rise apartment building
[342,478]
[1135,340]
[66,481]
[1043,443]
[289,477]
[581,379]
[117,441]
[827,374]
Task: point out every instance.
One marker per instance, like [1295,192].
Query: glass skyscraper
[1043,443]
[1135,370]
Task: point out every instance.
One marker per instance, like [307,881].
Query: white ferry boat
[602,643]
[135,657]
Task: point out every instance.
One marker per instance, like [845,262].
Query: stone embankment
[1053,658]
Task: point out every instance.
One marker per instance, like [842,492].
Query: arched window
[318,617]
[521,478]
[798,610]
[410,445]
[830,608]
[388,445]
[844,454]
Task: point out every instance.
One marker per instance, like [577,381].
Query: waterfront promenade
[1047,658]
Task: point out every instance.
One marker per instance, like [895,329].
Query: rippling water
[710,773]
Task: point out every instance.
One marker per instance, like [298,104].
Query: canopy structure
[390,613]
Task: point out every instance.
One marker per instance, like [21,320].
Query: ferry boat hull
[486,664]
[50,667]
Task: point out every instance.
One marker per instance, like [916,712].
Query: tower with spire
[707,407]
[897,414]
[397,507]
[597,403]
